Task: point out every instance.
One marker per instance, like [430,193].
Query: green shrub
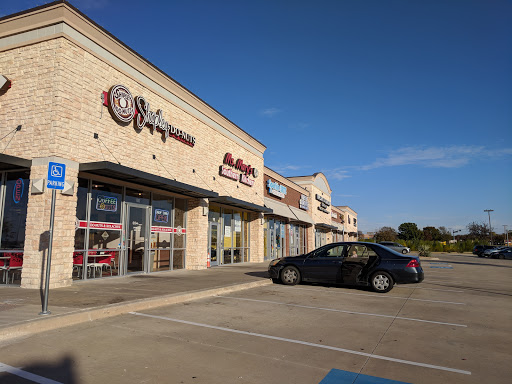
[424,250]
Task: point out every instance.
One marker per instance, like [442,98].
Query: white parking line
[383,296]
[432,289]
[26,375]
[305,343]
[342,311]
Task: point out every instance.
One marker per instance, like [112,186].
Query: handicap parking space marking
[382,296]
[337,376]
[300,342]
[26,375]
[341,311]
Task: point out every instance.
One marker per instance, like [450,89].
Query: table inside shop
[5,267]
[95,264]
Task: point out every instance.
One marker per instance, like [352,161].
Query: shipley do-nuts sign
[124,108]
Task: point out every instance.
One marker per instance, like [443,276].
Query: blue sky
[405,105]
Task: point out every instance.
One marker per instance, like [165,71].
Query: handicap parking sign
[56,175]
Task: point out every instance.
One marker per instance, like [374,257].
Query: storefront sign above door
[323,203]
[303,202]
[276,189]
[124,108]
[239,165]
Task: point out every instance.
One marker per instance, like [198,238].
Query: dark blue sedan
[350,263]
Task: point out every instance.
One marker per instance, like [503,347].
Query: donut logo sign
[121,103]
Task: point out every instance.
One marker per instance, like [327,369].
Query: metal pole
[489,213]
[49,259]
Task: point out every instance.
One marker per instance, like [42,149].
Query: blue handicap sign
[337,376]
[56,175]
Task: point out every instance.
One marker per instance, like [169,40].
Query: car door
[355,259]
[324,264]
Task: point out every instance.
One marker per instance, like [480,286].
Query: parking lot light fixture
[490,227]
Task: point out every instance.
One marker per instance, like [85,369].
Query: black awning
[11,162]
[227,200]
[120,172]
[326,226]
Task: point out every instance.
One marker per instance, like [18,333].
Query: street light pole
[506,232]
[489,213]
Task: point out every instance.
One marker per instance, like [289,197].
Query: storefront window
[137,196]
[214,214]
[15,209]
[106,202]
[81,195]
[228,235]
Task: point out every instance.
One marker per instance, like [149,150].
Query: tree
[431,234]
[445,234]
[477,231]
[386,234]
[409,231]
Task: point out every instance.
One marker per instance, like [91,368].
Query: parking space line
[369,355]
[432,289]
[384,296]
[342,311]
[26,375]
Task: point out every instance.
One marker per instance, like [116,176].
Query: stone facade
[59,68]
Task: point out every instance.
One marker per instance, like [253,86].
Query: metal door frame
[123,265]
[210,225]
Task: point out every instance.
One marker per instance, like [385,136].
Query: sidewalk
[100,298]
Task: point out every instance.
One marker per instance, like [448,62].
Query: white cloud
[270,112]
[288,167]
[434,157]
[336,174]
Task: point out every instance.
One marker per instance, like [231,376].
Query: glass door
[136,238]
[213,243]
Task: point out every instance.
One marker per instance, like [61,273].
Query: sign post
[56,178]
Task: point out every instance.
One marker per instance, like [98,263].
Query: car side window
[360,251]
[336,251]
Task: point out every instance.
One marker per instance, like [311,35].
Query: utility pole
[489,213]
[506,232]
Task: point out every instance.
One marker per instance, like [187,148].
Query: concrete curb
[31,327]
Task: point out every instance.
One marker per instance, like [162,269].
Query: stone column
[38,225]
[197,234]
[256,240]
[310,238]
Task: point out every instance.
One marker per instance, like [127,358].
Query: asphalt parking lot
[452,328]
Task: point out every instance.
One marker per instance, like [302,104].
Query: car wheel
[290,275]
[404,251]
[381,282]
[500,256]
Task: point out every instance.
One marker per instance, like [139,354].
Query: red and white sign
[178,230]
[100,225]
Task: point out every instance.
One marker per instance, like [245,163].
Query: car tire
[404,251]
[290,275]
[381,282]
[276,281]
[500,256]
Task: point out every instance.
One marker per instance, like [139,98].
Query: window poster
[161,215]
[106,203]
[238,222]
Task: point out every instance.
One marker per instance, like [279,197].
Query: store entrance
[213,243]
[137,236]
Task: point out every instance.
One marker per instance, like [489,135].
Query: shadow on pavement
[62,371]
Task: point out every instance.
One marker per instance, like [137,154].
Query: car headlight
[274,262]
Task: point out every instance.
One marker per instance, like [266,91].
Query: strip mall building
[155,178]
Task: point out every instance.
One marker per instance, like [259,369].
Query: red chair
[78,262]
[105,262]
[15,265]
